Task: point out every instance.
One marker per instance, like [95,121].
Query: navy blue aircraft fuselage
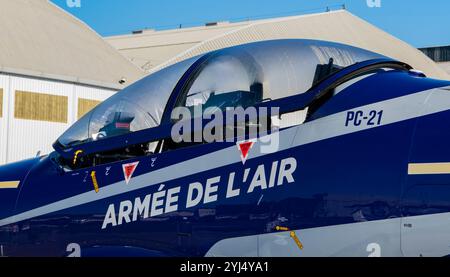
[359,164]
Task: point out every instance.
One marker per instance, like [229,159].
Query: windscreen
[137,107]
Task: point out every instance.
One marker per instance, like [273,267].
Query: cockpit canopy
[241,75]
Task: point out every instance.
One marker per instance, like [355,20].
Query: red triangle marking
[128,170]
[245,147]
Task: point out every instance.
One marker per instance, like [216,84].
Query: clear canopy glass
[267,70]
[137,107]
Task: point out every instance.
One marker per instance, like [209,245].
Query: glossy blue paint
[428,194]
[376,88]
[13,172]
[332,187]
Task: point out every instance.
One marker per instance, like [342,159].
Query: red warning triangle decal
[128,170]
[244,148]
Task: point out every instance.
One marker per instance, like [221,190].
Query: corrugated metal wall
[23,138]
[437,54]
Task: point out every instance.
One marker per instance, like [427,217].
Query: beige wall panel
[41,107]
[85,106]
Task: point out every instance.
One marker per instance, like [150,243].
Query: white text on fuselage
[166,201]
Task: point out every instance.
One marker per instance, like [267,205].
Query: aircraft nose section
[12,175]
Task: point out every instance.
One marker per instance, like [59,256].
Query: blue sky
[418,22]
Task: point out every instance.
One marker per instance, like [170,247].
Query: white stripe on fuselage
[428,236]
[395,110]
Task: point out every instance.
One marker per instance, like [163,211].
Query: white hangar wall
[46,83]
[35,112]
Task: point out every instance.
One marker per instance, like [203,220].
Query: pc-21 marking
[358,118]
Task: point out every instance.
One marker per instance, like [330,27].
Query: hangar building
[152,50]
[53,69]
[439,54]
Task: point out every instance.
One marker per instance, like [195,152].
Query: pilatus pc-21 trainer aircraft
[358,164]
